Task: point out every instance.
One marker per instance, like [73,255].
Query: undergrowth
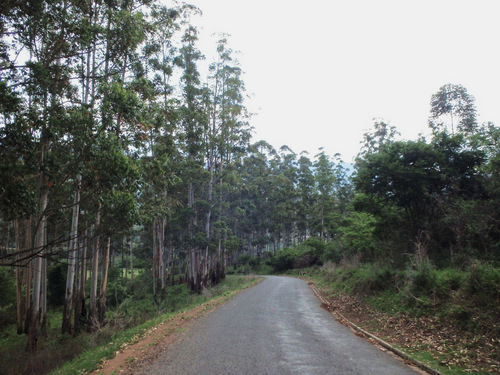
[463,305]
[125,322]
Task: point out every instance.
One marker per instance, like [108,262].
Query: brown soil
[447,343]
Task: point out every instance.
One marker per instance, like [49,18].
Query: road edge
[342,319]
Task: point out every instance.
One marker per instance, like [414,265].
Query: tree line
[114,144]
[106,125]
[117,152]
[428,201]
[434,196]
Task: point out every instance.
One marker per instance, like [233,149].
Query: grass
[465,301]
[434,361]
[58,350]
[89,360]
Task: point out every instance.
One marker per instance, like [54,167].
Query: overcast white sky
[319,71]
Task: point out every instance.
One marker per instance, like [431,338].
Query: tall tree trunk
[82,280]
[159,272]
[131,262]
[155,259]
[193,258]
[19,282]
[72,254]
[161,254]
[28,277]
[104,282]
[38,295]
[93,318]
[208,218]
[43,297]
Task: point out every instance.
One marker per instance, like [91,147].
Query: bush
[284,259]
[7,300]
[254,263]
[333,252]
[56,285]
[420,285]
[243,259]
[483,284]
[423,280]
[373,279]
[358,234]
[310,253]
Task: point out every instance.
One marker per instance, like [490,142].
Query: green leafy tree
[306,196]
[453,106]
[325,179]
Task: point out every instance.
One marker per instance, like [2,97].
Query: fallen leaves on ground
[449,345]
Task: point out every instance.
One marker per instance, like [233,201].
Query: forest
[125,166]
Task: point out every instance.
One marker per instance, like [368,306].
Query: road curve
[278,328]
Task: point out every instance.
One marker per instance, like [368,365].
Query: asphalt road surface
[276,327]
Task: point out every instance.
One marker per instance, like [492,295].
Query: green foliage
[364,280]
[334,252]
[56,286]
[358,234]
[310,253]
[421,284]
[453,101]
[7,300]
[483,284]
[181,299]
[467,298]
[284,259]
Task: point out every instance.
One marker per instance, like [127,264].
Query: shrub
[333,252]
[358,234]
[483,284]
[56,285]
[373,279]
[243,259]
[284,259]
[254,263]
[7,300]
[420,284]
[423,280]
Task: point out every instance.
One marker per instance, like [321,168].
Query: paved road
[275,328]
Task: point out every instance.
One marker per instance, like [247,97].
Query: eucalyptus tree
[453,106]
[307,195]
[381,134]
[194,121]
[45,41]
[159,120]
[253,205]
[227,137]
[325,180]
[283,196]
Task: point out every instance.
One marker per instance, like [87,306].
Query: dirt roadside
[156,340]
[447,344]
